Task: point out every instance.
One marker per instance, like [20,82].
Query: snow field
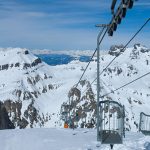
[65,139]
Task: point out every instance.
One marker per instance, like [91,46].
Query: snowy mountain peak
[23,79]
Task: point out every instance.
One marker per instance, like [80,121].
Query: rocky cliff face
[5,122]
[83,105]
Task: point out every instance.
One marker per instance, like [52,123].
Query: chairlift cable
[120,51]
[80,80]
[91,57]
[124,48]
[125,85]
[86,68]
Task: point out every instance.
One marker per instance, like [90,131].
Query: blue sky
[67,24]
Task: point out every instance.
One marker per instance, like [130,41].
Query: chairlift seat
[145,132]
[111,137]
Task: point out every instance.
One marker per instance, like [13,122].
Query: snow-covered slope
[25,84]
[65,139]
[33,92]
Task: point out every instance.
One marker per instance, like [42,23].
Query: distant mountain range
[74,53]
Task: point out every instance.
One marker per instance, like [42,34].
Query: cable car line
[91,57]
[121,51]
[125,85]
[116,57]
[101,35]
[86,68]
[124,48]
[111,135]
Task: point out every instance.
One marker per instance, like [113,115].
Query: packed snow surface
[65,139]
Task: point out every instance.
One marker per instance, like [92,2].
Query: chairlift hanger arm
[113,6]
[142,113]
[113,102]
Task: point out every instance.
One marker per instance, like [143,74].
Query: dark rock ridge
[116,50]
[5,122]
[30,116]
[82,107]
[17,64]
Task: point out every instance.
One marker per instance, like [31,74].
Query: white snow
[65,139]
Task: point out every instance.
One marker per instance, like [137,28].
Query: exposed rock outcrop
[5,122]
[24,79]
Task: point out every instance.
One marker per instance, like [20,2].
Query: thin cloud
[61,24]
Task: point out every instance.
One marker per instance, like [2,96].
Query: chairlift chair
[144,125]
[111,122]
